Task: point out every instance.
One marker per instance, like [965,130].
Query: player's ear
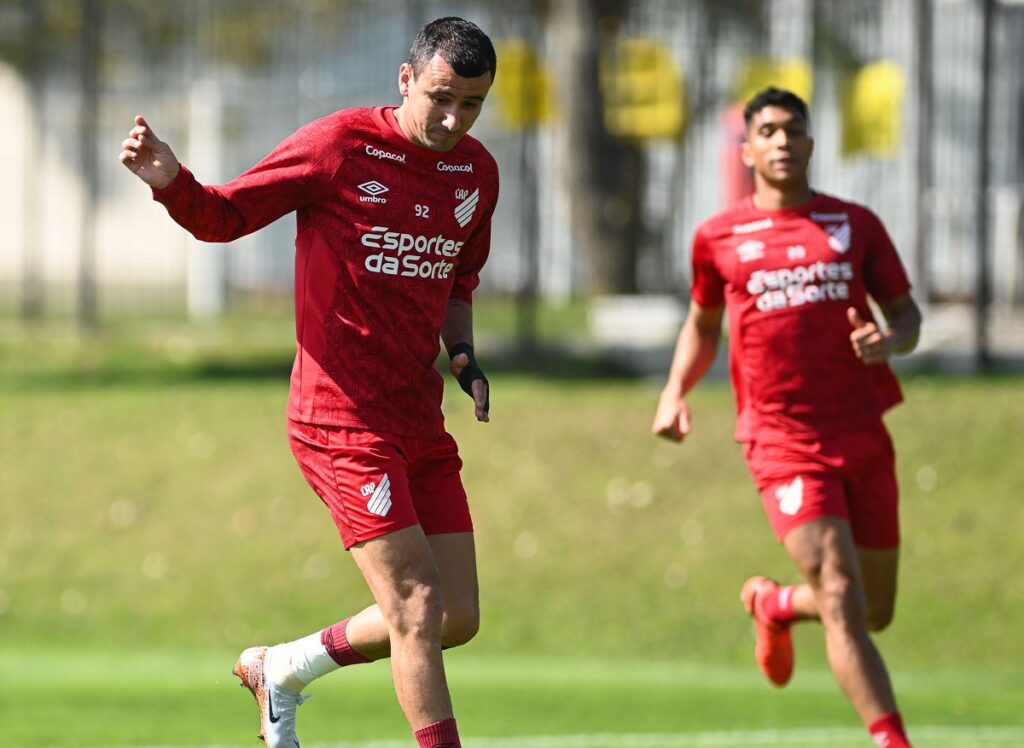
[747,154]
[405,78]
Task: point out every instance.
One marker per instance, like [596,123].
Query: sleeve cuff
[461,293]
[180,182]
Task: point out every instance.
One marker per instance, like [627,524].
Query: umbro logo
[464,210]
[379,502]
[373,190]
[373,187]
[750,250]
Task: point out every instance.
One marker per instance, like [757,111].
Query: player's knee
[838,599]
[419,612]
[459,626]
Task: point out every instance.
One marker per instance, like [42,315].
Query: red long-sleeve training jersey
[387,233]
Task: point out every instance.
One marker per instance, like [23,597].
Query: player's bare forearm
[694,354]
[695,348]
[458,324]
[457,336]
[904,319]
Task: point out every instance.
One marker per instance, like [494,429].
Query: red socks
[442,734]
[336,643]
[778,606]
[888,732]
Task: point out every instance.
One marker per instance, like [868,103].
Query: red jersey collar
[815,203]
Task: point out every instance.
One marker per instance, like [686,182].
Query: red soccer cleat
[774,648]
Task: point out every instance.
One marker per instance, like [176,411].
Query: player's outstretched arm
[874,345]
[457,335]
[694,354]
[148,157]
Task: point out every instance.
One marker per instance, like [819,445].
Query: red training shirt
[787,278]
[387,233]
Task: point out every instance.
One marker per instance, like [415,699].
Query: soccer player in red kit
[394,209]
[793,269]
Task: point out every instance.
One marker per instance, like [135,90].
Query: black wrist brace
[471,372]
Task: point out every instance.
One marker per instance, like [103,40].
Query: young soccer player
[793,269]
[394,210]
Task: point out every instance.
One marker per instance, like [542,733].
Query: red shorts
[377,483]
[850,475]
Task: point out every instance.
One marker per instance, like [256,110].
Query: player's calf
[459,627]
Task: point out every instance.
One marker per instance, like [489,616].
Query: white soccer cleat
[277,705]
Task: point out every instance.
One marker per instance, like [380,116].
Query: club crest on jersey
[839,237]
[464,210]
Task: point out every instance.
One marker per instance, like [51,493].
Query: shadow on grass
[154,369]
[126,367]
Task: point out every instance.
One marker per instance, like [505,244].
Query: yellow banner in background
[644,90]
[523,88]
[872,110]
[794,74]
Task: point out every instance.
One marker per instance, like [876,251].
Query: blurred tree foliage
[46,33]
[605,174]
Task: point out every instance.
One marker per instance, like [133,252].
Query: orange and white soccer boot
[774,648]
[277,705]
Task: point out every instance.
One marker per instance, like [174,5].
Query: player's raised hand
[471,378]
[148,157]
[869,343]
[672,418]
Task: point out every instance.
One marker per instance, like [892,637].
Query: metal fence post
[90,51]
[983,291]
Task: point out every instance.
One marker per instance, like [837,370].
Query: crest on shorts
[379,493]
[790,496]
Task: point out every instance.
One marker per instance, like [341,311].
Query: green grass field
[152,524]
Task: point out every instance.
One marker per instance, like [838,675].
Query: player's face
[440,105]
[778,146]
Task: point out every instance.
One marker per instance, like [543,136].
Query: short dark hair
[460,43]
[779,97]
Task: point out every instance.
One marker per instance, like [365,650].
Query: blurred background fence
[615,125]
